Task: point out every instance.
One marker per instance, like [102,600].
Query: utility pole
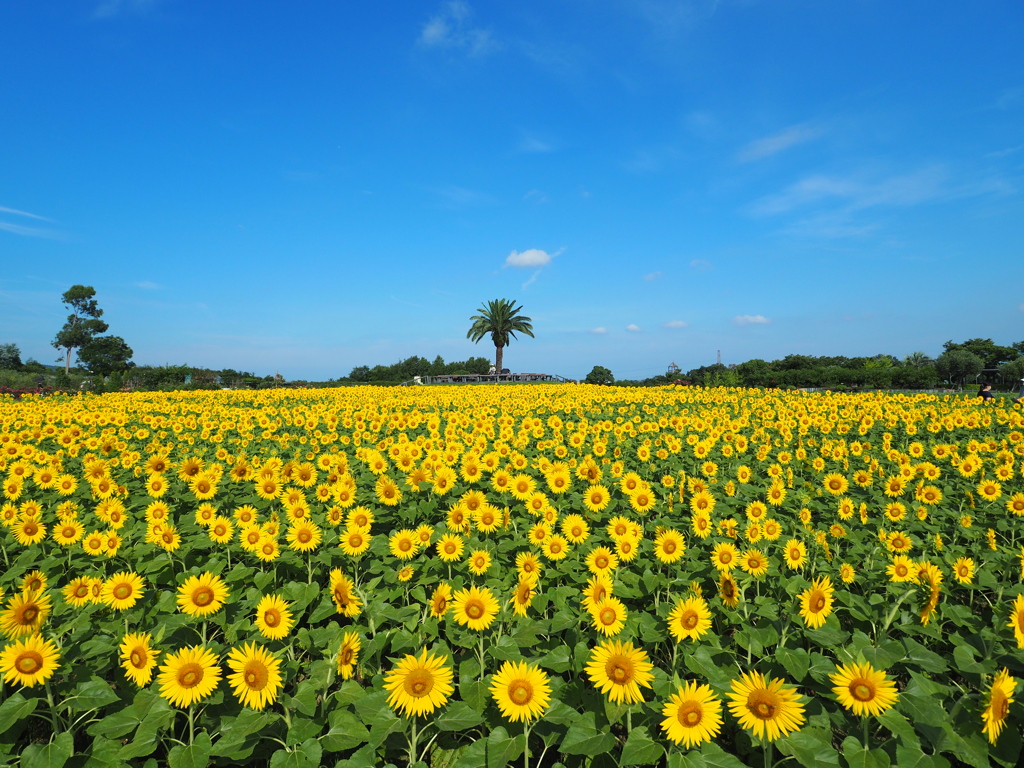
[719,357]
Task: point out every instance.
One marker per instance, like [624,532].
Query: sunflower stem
[768,748]
[54,720]
[867,731]
[526,743]
[412,742]
[191,724]
[481,655]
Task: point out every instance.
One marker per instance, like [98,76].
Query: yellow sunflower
[816,602]
[440,600]
[348,655]
[693,715]
[255,675]
[669,546]
[609,616]
[769,709]
[273,617]
[122,590]
[555,547]
[523,594]
[343,594]
[475,608]
[1000,697]
[754,562]
[723,557]
[619,670]
[24,614]
[602,560]
[202,595]
[521,692]
[479,562]
[188,675]
[863,690]
[419,684]
[30,661]
[77,593]
[404,544]
[138,659]
[1016,619]
[690,619]
[355,541]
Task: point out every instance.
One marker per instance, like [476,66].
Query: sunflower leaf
[196,755]
[640,749]
[459,716]
[583,738]
[52,755]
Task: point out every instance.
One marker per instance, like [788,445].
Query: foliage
[105,354]
[599,375]
[404,370]
[990,353]
[958,365]
[499,319]
[82,324]
[10,357]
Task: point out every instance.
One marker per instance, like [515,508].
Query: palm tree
[501,319]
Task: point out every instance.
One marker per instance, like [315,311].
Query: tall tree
[499,319]
[106,354]
[10,357]
[83,322]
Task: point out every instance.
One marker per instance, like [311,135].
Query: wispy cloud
[147,285]
[702,265]
[652,276]
[772,145]
[536,196]
[675,324]
[456,197]
[27,231]
[633,328]
[1009,97]
[743,320]
[452,27]
[530,258]
[109,8]
[601,329]
[1005,152]
[26,214]
[533,145]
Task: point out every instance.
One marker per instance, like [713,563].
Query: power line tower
[719,357]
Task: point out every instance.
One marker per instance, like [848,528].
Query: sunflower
[267,549]
[255,675]
[1000,697]
[1016,619]
[138,659]
[597,589]
[30,661]
[602,560]
[847,573]
[596,498]
[609,616]
[522,596]
[700,524]
[343,594]
[67,532]
[754,562]
[479,562]
[122,590]
[963,570]
[669,546]
[770,710]
[188,675]
[35,581]
[29,531]
[575,529]
[555,547]
[440,600]
[529,566]
[619,670]
[419,684]
[273,617]
[521,692]
[450,547]
[24,614]
[539,533]
[863,690]
[304,536]
[816,602]
[348,655]
[475,608]
[627,548]
[77,593]
[728,590]
[354,541]
[901,569]
[693,715]
[724,556]
[1015,504]
[404,544]
[691,619]
[835,484]
[202,595]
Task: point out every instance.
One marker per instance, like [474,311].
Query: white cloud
[651,276]
[1021,307]
[15,212]
[533,145]
[772,145]
[742,320]
[536,196]
[452,27]
[701,265]
[675,324]
[601,329]
[633,328]
[147,285]
[530,259]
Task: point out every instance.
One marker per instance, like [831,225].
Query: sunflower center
[817,602]
[690,714]
[29,662]
[1000,706]
[601,561]
[862,690]
[763,704]
[190,675]
[138,658]
[82,591]
[608,616]
[271,618]
[474,609]
[203,596]
[29,614]
[619,671]
[256,676]
[122,591]
[521,692]
[346,656]
[418,683]
[668,547]
[689,620]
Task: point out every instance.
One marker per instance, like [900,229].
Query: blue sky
[307,187]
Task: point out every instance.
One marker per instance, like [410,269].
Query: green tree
[955,366]
[917,360]
[500,320]
[599,375]
[105,354]
[991,354]
[83,323]
[10,357]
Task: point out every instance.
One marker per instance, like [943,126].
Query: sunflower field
[532,575]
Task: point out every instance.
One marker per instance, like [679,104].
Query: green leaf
[913,757]
[196,755]
[302,729]
[346,732]
[899,726]
[964,657]
[701,663]
[505,650]
[91,694]
[235,730]
[104,754]
[52,755]
[716,757]
[15,708]
[502,750]
[858,757]
[557,660]
[796,662]
[298,758]
[459,716]
[473,756]
[640,749]
[583,738]
[810,747]
[922,658]
[365,757]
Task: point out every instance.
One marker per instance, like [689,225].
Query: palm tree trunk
[497,359]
